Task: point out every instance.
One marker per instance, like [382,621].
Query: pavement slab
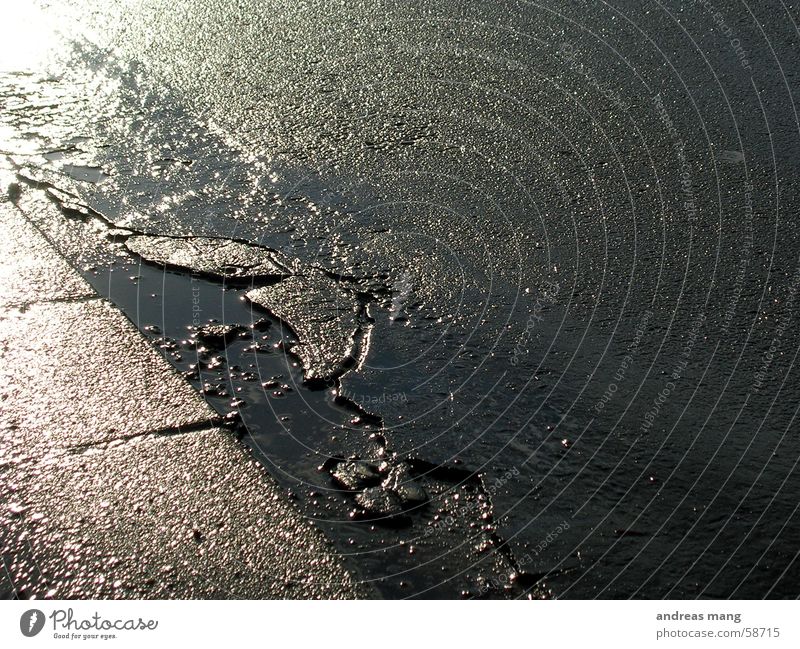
[31,269]
[161,516]
[78,373]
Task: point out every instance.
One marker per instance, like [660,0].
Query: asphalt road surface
[550,248]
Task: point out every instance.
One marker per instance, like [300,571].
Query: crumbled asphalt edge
[71,207]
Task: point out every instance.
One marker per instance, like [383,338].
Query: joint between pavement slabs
[213,424]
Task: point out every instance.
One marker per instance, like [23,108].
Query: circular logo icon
[31,622]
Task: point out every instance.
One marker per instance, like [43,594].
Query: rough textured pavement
[115,480]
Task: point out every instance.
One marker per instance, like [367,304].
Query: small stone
[217,335]
[404,485]
[14,192]
[378,501]
[356,474]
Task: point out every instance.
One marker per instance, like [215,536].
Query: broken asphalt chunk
[323,315]
[219,258]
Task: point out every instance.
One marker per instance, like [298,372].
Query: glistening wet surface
[560,238]
[334,459]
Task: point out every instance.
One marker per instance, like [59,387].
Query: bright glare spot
[26,36]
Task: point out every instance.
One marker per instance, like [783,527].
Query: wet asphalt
[551,249]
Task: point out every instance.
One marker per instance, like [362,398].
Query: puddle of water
[291,429]
[85,173]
